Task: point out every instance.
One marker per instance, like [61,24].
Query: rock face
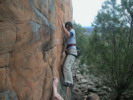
[31,47]
[86,85]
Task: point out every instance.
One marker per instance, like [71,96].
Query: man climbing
[71,53]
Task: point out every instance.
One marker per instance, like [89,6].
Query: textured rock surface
[87,85]
[31,47]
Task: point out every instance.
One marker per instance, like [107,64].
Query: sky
[84,11]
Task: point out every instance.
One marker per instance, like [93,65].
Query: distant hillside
[88,29]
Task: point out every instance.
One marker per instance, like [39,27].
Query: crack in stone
[3,67]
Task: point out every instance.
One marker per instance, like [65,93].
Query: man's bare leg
[56,95]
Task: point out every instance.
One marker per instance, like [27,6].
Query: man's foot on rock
[68,84]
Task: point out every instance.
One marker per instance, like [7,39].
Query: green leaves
[109,49]
[114,29]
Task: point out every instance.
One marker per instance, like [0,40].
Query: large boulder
[31,47]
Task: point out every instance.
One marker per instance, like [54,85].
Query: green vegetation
[82,39]
[109,49]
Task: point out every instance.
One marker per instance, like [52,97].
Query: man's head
[68,26]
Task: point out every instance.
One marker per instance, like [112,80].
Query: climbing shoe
[68,84]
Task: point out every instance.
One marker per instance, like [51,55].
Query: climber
[71,53]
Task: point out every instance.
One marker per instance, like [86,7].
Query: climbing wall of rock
[31,47]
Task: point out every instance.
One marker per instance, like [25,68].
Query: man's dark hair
[69,24]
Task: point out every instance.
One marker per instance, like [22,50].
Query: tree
[82,40]
[110,47]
